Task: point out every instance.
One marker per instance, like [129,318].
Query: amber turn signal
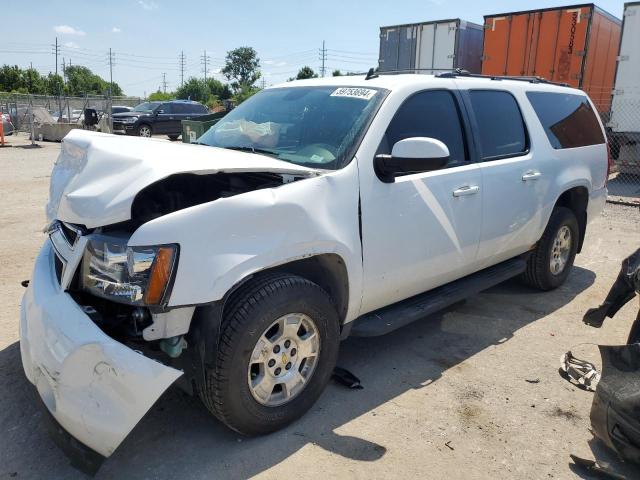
[160,276]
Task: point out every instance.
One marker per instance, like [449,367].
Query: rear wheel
[550,263]
[144,130]
[278,347]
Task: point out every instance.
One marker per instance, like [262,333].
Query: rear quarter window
[567,119]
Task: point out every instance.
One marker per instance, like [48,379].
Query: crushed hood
[97,176]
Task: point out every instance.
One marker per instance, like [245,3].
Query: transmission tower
[205,59]
[323,58]
[182,58]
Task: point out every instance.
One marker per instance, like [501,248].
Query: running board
[388,319]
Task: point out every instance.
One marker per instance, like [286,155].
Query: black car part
[615,412]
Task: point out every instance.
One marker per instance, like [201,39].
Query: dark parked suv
[157,117]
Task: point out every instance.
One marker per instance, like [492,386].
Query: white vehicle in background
[315,210]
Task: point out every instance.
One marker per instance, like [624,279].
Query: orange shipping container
[577,45]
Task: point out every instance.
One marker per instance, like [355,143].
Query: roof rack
[531,79]
[458,72]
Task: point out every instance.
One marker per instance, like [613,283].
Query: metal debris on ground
[581,373]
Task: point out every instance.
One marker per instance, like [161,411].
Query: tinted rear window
[500,126]
[568,120]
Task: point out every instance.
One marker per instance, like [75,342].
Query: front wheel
[144,130]
[550,263]
[278,347]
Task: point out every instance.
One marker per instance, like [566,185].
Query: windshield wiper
[254,150]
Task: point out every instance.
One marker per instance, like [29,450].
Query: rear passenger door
[511,176]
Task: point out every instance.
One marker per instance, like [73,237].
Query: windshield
[311,126]
[146,107]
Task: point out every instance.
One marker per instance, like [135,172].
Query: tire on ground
[248,313]
[144,125]
[538,273]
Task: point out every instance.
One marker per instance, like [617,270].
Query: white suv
[314,210]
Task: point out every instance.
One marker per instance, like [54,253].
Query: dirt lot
[471,394]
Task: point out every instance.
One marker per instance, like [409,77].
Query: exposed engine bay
[185,190]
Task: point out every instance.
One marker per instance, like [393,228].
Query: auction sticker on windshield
[352,92]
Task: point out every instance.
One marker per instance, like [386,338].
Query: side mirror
[411,155]
[159,111]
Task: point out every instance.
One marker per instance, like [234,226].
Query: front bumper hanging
[95,388]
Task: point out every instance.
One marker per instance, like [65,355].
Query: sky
[148,36]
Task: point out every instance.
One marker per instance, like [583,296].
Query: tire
[173,138]
[248,319]
[144,130]
[540,272]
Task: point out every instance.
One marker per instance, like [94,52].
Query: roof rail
[531,79]
[458,72]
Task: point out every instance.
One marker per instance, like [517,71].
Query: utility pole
[183,61]
[164,82]
[56,52]
[323,57]
[111,55]
[263,83]
[110,104]
[64,71]
[204,59]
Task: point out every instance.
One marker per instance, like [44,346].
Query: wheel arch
[328,270]
[576,199]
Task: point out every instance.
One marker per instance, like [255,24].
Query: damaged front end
[94,386]
[100,338]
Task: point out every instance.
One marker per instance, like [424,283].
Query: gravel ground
[473,393]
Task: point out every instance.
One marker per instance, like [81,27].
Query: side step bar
[398,315]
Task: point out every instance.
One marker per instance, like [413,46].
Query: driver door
[422,230]
[164,119]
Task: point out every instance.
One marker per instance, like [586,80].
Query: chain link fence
[23,108]
[622,121]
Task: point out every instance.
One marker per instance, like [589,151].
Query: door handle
[531,175]
[466,190]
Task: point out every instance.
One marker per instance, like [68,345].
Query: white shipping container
[431,46]
[625,108]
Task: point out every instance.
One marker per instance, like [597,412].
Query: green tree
[194,89]
[54,84]
[82,81]
[161,96]
[10,78]
[33,81]
[219,89]
[244,93]
[306,72]
[242,67]
[336,73]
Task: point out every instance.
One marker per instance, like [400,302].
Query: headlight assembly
[131,275]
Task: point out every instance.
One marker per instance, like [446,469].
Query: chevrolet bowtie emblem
[284,358]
